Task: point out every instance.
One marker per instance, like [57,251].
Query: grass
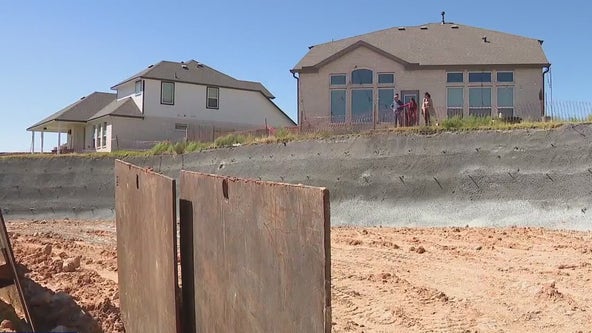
[284,135]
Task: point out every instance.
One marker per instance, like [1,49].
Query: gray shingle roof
[123,108]
[80,110]
[437,44]
[197,73]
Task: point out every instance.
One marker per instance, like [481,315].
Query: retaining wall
[485,178]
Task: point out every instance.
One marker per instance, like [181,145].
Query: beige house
[467,71]
[171,101]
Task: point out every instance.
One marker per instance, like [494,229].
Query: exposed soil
[384,279]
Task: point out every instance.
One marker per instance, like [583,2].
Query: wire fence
[560,111]
[571,111]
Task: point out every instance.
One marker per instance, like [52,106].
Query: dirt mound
[68,281]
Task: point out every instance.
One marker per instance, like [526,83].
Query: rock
[420,250]
[7,324]
[71,264]
[478,248]
[47,249]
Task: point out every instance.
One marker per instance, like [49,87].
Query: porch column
[32,142]
[42,141]
[59,139]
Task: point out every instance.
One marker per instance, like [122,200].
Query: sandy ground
[383,279]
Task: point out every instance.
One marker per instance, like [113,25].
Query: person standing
[427,109]
[413,119]
[398,110]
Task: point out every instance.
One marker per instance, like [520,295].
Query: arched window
[362,76]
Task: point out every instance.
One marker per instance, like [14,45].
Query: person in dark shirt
[398,108]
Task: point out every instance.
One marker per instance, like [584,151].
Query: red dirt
[383,279]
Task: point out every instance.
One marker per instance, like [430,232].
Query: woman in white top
[427,109]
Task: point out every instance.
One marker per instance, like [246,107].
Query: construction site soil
[500,239]
[450,279]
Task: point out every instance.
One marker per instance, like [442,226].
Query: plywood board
[261,255]
[146,249]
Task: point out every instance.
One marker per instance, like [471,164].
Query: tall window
[139,87]
[94,136]
[505,101]
[167,93]
[362,100]
[337,105]
[385,101]
[361,105]
[213,97]
[454,101]
[480,101]
[105,134]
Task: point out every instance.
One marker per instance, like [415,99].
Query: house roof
[81,110]
[196,73]
[120,108]
[435,44]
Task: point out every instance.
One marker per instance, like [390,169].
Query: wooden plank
[12,292]
[261,255]
[146,249]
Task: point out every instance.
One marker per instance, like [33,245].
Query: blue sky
[54,52]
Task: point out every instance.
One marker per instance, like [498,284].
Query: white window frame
[390,84]
[338,85]
[139,87]
[455,109]
[216,98]
[104,135]
[455,83]
[162,100]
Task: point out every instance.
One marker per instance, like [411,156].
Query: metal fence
[572,111]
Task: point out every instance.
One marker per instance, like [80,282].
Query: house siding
[314,101]
[128,89]
[250,108]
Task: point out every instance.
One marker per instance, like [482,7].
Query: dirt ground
[383,279]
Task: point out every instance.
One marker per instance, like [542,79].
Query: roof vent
[423,27]
[485,40]
[83,97]
[310,47]
[150,66]
[199,65]
[454,26]
[184,66]
[401,28]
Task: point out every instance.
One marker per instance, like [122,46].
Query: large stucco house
[467,71]
[166,101]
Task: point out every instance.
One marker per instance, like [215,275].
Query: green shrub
[161,148]
[284,135]
[455,122]
[195,146]
[178,148]
[589,119]
[229,140]
[470,122]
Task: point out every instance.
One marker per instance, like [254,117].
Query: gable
[438,45]
[351,51]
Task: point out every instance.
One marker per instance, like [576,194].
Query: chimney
[443,13]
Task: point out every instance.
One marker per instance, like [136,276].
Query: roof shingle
[440,45]
[196,73]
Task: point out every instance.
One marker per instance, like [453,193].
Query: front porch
[70,137]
